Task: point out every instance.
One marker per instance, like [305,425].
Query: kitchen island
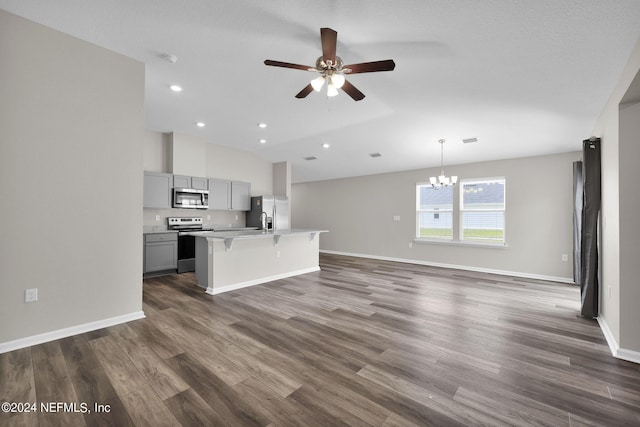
[231,260]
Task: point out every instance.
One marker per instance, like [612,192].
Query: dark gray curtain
[578,200]
[590,218]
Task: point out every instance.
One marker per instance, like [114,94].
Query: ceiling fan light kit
[317,83]
[331,69]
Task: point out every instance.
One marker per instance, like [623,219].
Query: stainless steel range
[186,243]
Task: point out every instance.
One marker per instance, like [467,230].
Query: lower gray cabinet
[160,252]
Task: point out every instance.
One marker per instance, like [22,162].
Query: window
[477,216]
[434,212]
[482,210]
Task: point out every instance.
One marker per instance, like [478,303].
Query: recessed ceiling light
[200,124]
[325,145]
[262,125]
[176,88]
[263,141]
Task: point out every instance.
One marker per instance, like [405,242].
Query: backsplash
[210,219]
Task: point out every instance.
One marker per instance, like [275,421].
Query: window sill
[461,243]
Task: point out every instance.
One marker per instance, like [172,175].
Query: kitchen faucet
[263,222]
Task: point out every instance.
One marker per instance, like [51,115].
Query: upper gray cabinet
[229,195]
[183,181]
[199,183]
[223,194]
[240,196]
[157,190]
[219,194]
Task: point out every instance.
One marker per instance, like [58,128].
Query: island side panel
[203,261]
[260,260]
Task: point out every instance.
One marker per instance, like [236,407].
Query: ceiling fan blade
[287,65]
[329,40]
[352,91]
[371,67]
[304,92]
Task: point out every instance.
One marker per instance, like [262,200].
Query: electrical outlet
[236,217]
[410,244]
[396,217]
[565,257]
[157,217]
[208,217]
[31,295]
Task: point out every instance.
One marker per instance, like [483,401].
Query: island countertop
[229,260]
[253,234]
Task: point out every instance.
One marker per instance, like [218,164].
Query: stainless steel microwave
[190,199]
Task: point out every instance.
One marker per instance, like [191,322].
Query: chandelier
[442,180]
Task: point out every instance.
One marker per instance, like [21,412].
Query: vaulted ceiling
[523,77]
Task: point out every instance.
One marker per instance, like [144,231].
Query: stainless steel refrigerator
[276,210]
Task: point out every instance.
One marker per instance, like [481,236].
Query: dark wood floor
[362,342]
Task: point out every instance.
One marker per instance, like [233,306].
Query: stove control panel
[184,222]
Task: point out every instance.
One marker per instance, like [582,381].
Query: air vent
[470,140]
[375,155]
[310,158]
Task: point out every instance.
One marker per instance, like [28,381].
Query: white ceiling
[526,77]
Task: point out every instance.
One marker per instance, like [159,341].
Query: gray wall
[618,126]
[359,214]
[630,236]
[72,121]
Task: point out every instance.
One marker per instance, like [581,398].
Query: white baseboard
[616,351]
[67,332]
[457,267]
[216,291]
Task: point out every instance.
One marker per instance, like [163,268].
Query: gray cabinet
[219,194]
[160,252]
[240,196]
[157,190]
[183,181]
[199,183]
[223,194]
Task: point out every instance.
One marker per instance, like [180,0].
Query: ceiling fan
[332,70]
